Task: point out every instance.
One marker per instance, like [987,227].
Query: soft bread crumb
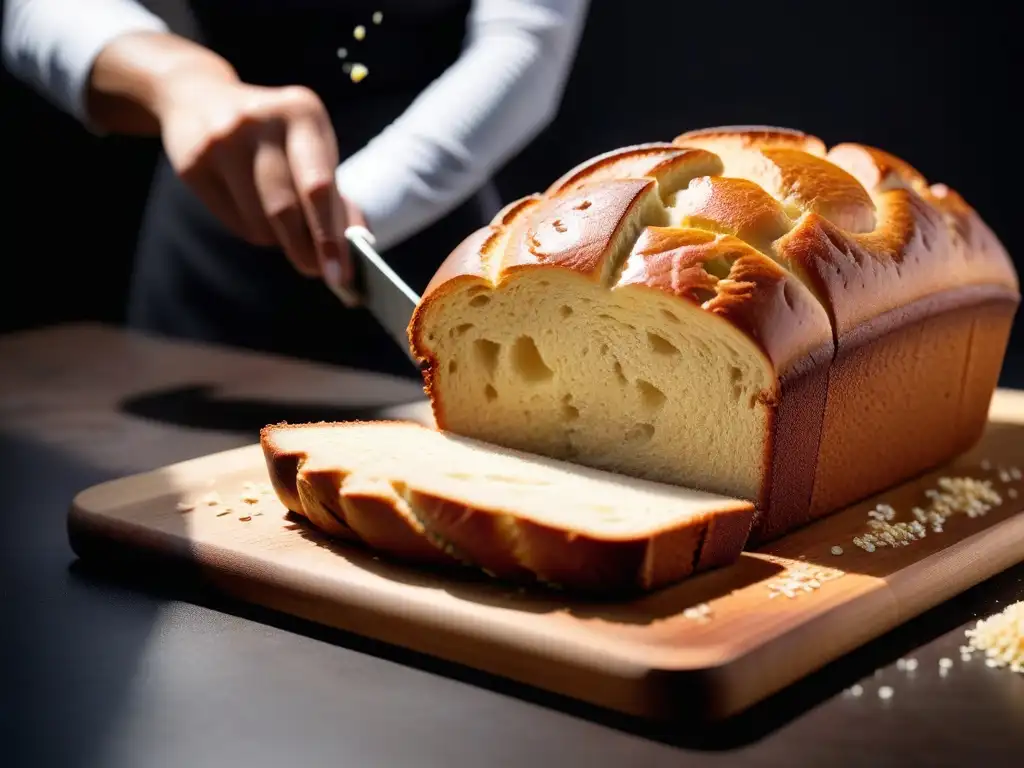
[885,692]
[837,550]
[358,72]
[359,32]
[377,17]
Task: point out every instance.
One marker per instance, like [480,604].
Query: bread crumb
[954,495]
[184,506]
[911,665]
[359,32]
[225,512]
[1000,637]
[358,72]
[837,550]
[857,689]
[377,17]
[245,518]
[945,663]
[211,499]
[885,692]
[802,577]
[342,53]
[986,464]
[700,613]
[250,497]
[1012,493]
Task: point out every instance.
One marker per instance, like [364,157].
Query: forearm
[492,101]
[98,60]
[51,45]
[128,83]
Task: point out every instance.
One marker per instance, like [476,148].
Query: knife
[378,288]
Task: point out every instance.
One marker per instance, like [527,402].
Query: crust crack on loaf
[741,310]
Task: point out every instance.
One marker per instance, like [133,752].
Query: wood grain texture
[644,657]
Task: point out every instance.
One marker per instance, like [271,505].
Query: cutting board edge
[621,683]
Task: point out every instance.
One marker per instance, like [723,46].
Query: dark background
[935,84]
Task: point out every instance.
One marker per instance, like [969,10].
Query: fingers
[267,171]
[313,156]
[239,177]
[208,185]
[281,206]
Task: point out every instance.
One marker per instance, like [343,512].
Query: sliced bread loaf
[739,310]
[432,498]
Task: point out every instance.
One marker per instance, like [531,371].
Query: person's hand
[263,161]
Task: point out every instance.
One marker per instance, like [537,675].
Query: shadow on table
[69,652]
[199,406]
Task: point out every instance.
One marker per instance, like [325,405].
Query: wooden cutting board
[651,657]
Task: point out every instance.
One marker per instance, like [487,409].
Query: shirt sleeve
[51,44]
[505,87]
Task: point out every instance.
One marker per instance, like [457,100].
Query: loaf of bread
[421,496]
[740,311]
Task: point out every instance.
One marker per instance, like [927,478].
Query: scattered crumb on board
[801,578]
[701,613]
[968,496]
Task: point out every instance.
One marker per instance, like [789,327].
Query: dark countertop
[102,669]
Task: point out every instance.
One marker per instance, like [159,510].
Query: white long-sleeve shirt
[504,88]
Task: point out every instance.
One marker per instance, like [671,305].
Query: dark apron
[194,279]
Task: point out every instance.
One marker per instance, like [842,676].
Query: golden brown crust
[734,207]
[669,165]
[576,231]
[726,138]
[444,532]
[810,183]
[755,295]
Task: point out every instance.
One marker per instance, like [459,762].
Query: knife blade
[378,288]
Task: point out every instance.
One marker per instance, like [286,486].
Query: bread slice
[740,311]
[436,499]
